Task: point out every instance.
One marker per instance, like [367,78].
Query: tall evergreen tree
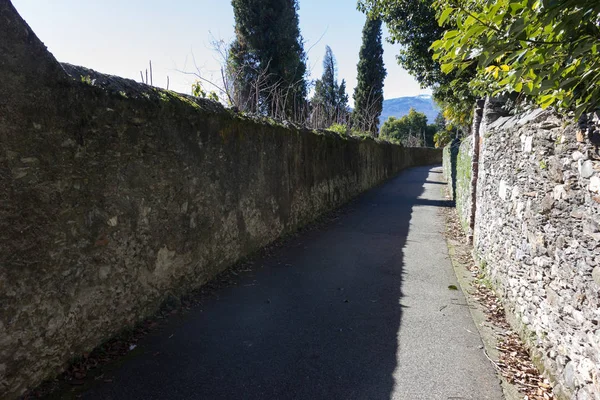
[342,104]
[440,122]
[330,101]
[368,95]
[267,57]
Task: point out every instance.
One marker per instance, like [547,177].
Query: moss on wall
[457,159]
[463,182]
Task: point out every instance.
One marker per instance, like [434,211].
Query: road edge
[460,253]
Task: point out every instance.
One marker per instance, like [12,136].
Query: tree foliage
[440,122]
[444,131]
[544,51]
[368,94]
[413,24]
[330,101]
[547,50]
[410,130]
[268,57]
[198,91]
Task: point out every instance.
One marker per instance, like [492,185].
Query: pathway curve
[359,308]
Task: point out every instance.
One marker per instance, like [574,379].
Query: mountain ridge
[400,106]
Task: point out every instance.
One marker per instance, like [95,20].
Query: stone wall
[537,232]
[457,160]
[116,195]
[449,155]
[464,159]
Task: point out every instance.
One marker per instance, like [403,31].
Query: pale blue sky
[120,36]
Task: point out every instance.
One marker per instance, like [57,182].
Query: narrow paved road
[357,309]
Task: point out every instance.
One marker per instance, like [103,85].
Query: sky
[120,37]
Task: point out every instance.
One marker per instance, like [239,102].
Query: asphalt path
[359,308]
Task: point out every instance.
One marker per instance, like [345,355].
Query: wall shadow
[318,318]
[428,181]
[436,203]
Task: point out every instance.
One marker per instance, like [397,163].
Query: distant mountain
[400,106]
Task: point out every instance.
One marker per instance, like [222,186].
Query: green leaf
[516,27]
[475,30]
[519,87]
[516,7]
[447,68]
[436,45]
[451,34]
[530,86]
[444,16]
[547,101]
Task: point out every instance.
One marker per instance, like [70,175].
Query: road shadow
[429,181]
[318,318]
[436,203]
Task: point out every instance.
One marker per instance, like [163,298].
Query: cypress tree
[342,104]
[267,57]
[368,95]
[330,102]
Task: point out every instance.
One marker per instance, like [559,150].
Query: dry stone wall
[449,155]
[116,195]
[464,161]
[457,159]
[537,232]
